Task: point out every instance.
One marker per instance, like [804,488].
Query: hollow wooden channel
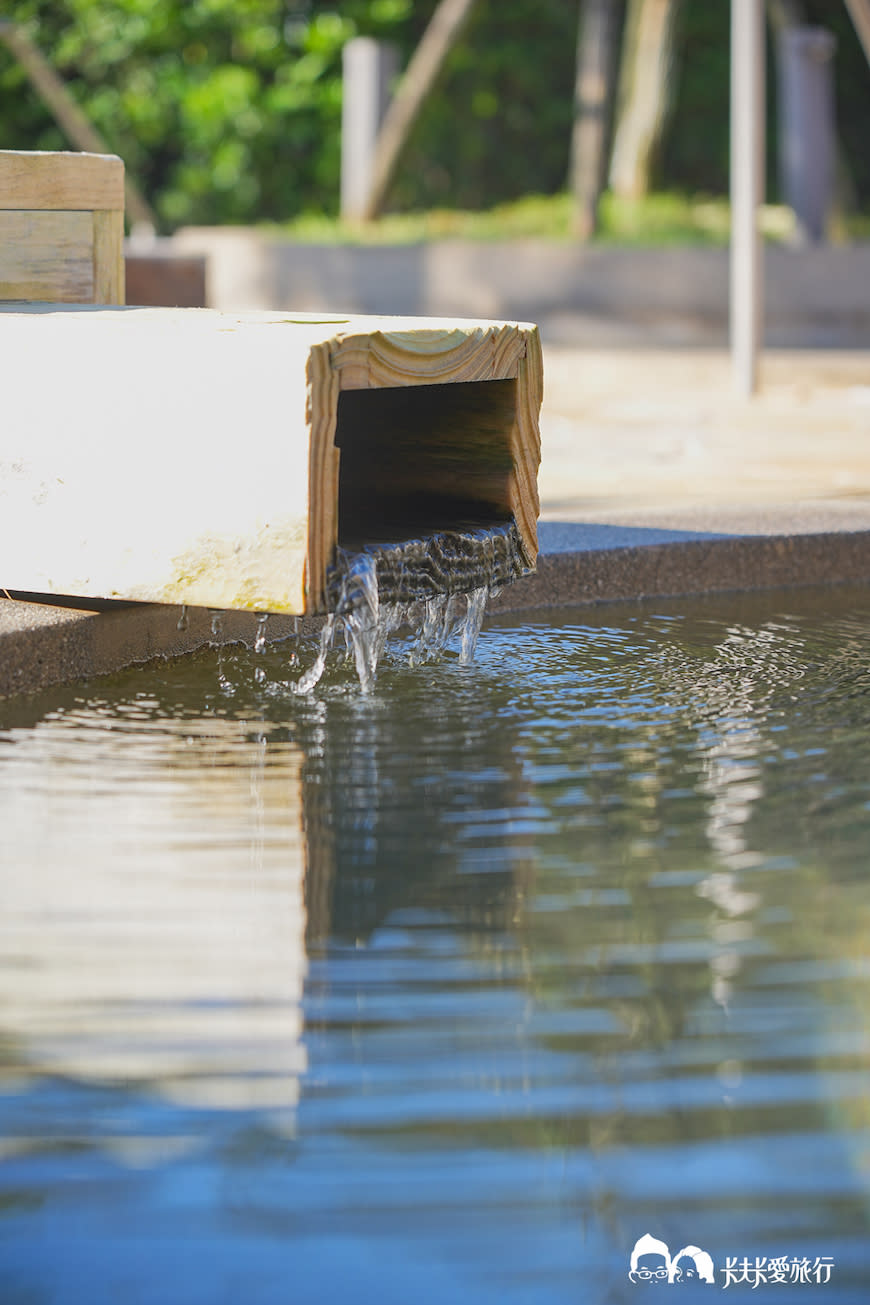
[212,459]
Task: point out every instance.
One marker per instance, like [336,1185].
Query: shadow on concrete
[589,537]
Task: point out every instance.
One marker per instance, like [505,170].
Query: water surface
[451,991]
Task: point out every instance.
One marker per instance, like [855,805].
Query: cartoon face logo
[685,1269]
[691,1264]
[650,1261]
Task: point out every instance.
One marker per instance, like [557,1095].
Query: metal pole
[747,189]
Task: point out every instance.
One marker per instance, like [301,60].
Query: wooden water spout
[190,456]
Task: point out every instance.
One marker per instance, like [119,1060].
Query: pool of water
[452,991]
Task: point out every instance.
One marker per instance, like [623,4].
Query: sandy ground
[659,437]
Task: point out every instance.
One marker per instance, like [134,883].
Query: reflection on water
[452,991]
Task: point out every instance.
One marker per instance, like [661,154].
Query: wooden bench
[61,227]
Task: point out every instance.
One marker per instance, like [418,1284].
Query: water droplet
[260,640]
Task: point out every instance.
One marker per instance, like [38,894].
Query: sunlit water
[452,990]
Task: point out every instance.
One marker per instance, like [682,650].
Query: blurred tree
[500,126]
[694,152]
[75,125]
[645,78]
[417,83]
[593,96]
[229,110]
[785,13]
[859,12]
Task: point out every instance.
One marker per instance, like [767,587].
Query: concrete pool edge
[684,567]
[43,645]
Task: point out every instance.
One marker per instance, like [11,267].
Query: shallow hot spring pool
[452,991]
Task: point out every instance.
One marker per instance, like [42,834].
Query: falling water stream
[437,586]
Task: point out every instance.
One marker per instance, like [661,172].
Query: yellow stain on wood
[263,573]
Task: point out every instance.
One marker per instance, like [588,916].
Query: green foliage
[546,217]
[661,219]
[229,110]
[501,125]
[224,110]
